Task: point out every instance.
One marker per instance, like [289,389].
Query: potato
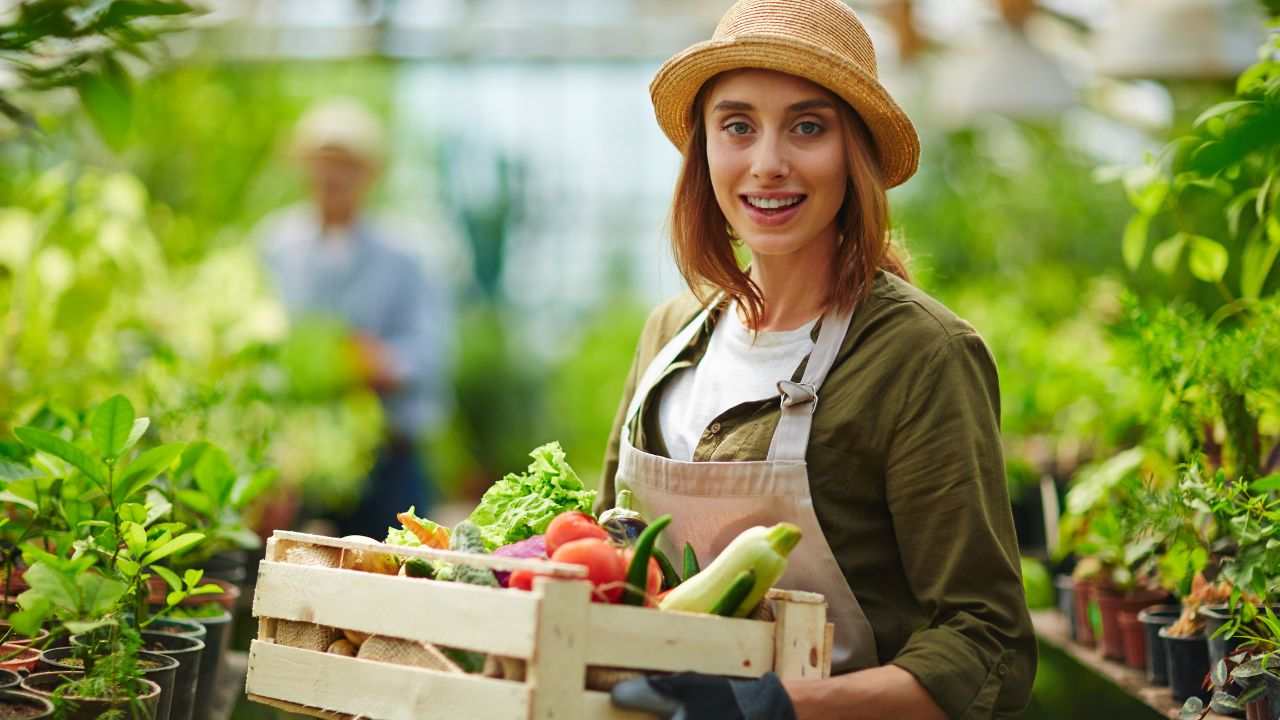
[342,647]
[355,638]
[369,560]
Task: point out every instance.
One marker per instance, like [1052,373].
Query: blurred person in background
[329,259]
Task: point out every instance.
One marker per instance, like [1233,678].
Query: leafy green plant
[109,530]
[1215,192]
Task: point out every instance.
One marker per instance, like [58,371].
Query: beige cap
[341,124]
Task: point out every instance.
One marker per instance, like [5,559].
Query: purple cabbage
[533,548]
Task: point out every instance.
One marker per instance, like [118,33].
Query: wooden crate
[554,628]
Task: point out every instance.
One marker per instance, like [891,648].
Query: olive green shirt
[907,477]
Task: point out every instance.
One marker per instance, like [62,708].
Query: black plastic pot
[1066,589]
[1153,619]
[25,705]
[160,669]
[232,566]
[176,626]
[187,651]
[43,684]
[1187,659]
[216,642]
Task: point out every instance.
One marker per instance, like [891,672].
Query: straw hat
[340,124]
[819,40]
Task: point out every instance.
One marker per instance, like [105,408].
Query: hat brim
[678,81]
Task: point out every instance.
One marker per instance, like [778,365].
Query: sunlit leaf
[179,544]
[1208,259]
[48,442]
[1135,240]
[111,425]
[1165,256]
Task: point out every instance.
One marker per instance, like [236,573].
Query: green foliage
[1207,204]
[80,44]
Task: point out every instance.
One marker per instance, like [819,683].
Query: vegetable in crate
[606,568]
[761,550]
[466,538]
[643,575]
[623,523]
[570,526]
[521,506]
[417,532]
[534,548]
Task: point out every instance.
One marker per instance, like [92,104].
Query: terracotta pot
[1083,628]
[158,589]
[18,658]
[1110,605]
[1134,638]
[16,639]
[43,684]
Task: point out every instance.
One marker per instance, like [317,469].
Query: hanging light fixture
[1003,73]
[1178,39]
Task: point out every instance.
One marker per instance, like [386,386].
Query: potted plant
[109,535]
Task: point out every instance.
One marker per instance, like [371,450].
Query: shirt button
[715,428]
[1002,669]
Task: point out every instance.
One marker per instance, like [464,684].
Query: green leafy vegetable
[522,505]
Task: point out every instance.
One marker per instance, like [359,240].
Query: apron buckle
[794,393]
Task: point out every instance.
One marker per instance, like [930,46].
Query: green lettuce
[520,506]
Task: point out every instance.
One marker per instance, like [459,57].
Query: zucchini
[763,550]
[742,586]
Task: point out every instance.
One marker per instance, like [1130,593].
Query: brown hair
[704,250]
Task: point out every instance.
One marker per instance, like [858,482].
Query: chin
[773,245]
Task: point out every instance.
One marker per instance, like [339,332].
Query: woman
[820,387]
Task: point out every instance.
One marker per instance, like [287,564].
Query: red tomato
[653,584]
[570,526]
[606,568]
[521,580]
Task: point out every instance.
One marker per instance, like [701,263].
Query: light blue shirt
[376,287]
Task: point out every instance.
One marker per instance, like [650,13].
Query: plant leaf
[1219,673]
[1208,260]
[1165,256]
[111,424]
[1221,109]
[1255,265]
[183,542]
[98,593]
[144,468]
[136,432]
[9,498]
[170,577]
[1265,484]
[1191,709]
[48,442]
[1134,244]
[135,538]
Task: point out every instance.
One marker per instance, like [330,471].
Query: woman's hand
[883,692]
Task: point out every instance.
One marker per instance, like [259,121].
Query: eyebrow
[739,106]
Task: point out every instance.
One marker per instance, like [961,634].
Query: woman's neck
[795,285]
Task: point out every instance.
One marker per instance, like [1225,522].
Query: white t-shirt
[736,368]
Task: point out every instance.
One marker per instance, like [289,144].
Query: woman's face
[775,149]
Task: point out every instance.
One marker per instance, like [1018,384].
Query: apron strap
[662,361]
[800,400]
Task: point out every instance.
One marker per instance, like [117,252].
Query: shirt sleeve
[419,334]
[946,491]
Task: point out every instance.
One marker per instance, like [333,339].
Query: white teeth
[773,203]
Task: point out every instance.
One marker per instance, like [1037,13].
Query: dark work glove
[692,696]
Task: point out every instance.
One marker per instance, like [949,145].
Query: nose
[769,162]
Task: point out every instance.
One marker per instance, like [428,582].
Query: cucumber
[738,591]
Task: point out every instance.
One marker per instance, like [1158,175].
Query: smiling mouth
[772,205]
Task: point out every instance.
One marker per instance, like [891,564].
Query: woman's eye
[737,128]
[808,127]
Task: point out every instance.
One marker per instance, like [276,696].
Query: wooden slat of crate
[595,704]
[648,639]
[451,614]
[380,690]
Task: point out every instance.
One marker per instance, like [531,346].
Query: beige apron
[711,502]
